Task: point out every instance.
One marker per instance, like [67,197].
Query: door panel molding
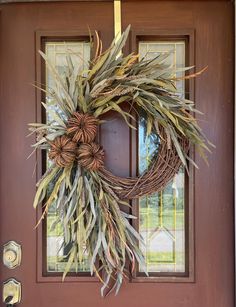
[41,37]
[189,36]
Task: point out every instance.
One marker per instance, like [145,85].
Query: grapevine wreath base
[163,168]
[86,196]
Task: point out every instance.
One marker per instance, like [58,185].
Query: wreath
[88,197]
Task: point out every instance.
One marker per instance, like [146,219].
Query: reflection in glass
[80,54]
[162,215]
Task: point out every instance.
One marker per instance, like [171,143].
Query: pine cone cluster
[90,156]
[82,127]
[63,151]
[78,144]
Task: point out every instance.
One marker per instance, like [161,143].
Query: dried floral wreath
[87,197]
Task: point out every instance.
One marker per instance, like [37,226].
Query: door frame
[235,148]
[32,1]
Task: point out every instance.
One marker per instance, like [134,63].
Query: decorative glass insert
[56,249]
[162,215]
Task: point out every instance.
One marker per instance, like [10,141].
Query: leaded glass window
[162,215]
[80,54]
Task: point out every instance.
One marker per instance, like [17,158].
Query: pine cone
[82,127]
[63,151]
[90,156]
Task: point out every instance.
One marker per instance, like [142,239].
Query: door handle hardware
[11,294]
[12,254]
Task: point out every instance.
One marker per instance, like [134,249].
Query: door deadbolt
[11,294]
[12,254]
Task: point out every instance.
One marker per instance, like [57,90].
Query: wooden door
[191,258]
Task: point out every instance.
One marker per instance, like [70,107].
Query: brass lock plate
[11,292]
[12,254]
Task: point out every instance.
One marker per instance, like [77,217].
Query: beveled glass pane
[162,215]
[57,250]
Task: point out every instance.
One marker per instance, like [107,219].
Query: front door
[188,227]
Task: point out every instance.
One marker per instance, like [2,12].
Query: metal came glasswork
[56,249]
[162,215]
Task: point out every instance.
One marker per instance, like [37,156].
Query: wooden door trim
[41,36]
[32,1]
[44,35]
[235,158]
[189,36]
